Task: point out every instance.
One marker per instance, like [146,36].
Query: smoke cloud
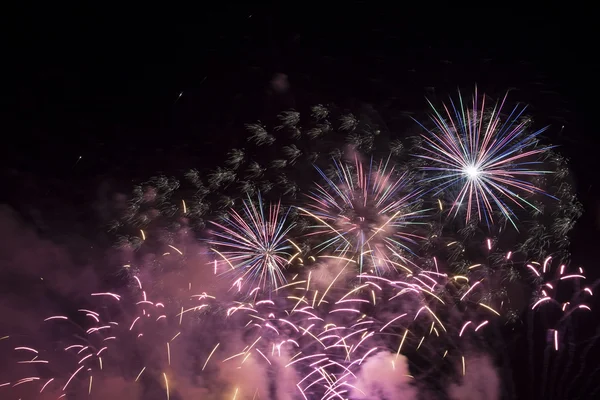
[174,354]
[384,376]
[481,381]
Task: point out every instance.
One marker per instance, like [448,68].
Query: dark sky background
[106,89]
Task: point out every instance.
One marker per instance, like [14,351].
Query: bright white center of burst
[472,171]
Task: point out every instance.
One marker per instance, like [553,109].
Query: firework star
[253,242]
[363,213]
[488,159]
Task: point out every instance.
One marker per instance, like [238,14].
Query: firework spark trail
[552,281]
[91,347]
[308,323]
[328,351]
[354,345]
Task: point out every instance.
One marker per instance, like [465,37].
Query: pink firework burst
[364,213]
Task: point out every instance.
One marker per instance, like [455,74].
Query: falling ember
[45,384]
[490,308]
[481,325]
[532,268]
[540,301]
[401,343]
[420,343]
[464,369]
[56,317]
[574,276]
[555,340]
[167,385]
[463,328]
[143,234]
[115,296]
[26,380]
[176,249]
[133,323]
[545,265]
[140,374]
[27,349]
[210,355]
[71,378]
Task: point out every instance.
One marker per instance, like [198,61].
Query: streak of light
[210,355]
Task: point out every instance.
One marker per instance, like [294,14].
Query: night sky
[138,96]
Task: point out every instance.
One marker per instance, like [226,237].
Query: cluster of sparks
[549,280]
[324,334]
[363,220]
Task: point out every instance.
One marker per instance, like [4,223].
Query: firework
[356,289]
[254,243]
[365,213]
[490,158]
[317,337]
[323,337]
